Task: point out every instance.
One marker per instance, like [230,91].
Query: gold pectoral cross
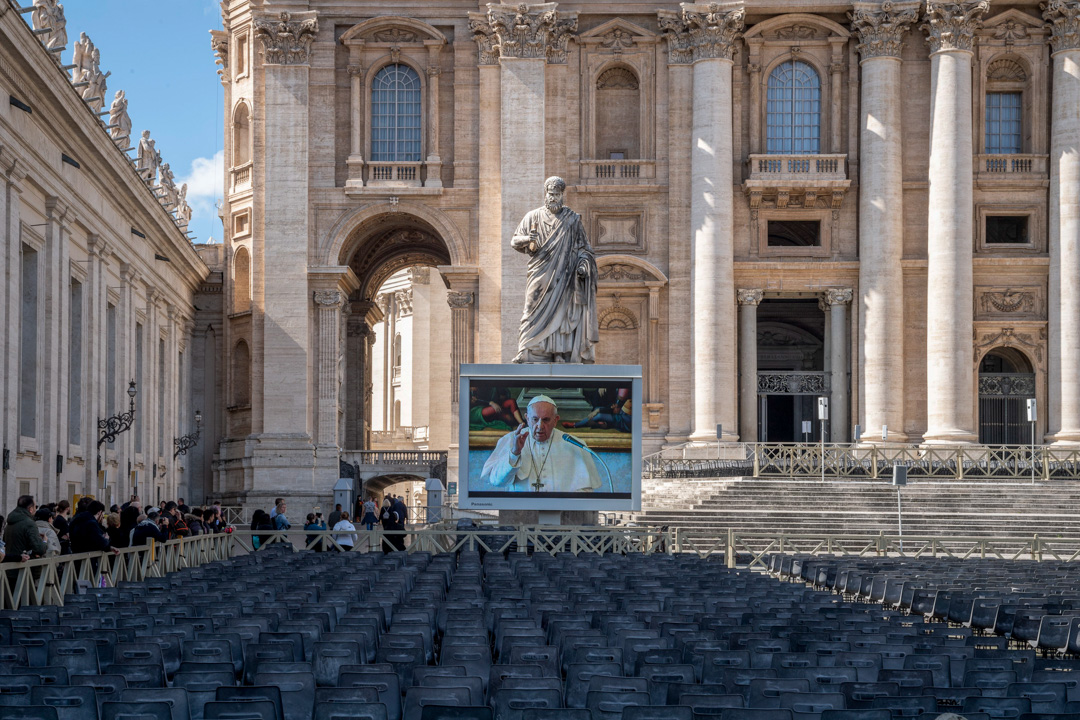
[537,485]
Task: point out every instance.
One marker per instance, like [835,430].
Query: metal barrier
[750,549]
[871,461]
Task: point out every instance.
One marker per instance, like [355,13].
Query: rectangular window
[1003,123]
[794,233]
[241,55]
[28,344]
[1006,230]
[75,370]
[110,363]
[617,155]
[139,386]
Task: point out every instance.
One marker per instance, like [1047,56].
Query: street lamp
[110,427]
[185,443]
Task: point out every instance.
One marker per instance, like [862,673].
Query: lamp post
[185,443]
[110,427]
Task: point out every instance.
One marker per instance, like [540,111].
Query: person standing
[334,516]
[281,521]
[402,512]
[370,510]
[21,537]
[347,531]
[62,524]
[87,535]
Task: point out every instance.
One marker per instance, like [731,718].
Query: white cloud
[205,188]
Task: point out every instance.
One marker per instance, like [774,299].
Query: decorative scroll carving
[522,31]
[622,272]
[703,31]
[403,299]
[1008,337]
[1064,19]
[287,39]
[1006,70]
[838,296]
[617,77]
[395,35]
[459,300]
[751,296]
[796,32]
[329,298]
[618,317]
[1014,384]
[1007,301]
[793,383]
[617,40]
[1010,31]
[952,25]
[219,43]
[881,28]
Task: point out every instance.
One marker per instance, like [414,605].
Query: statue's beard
[553,207]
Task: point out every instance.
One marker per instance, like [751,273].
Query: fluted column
[523,39]
[1064,350]
[838,300]
[707,35]
[950,372]
[749,299]
[461,335]
[329,304]
[881,211]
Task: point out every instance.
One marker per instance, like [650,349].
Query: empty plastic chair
[765,693]
[175,698]
[444,712]
[997,707]
[297,691]
[473,684]
[328,658]
[755,714]
[80,657]
[387,684]
[1045,697]
[509,704]
[609,705]
[708,705]
[350,711]
[136,711]
[241,710]
[556,714]
[105,687]
[254,693]
[71,702]
[906,706]
[858,715]
[417,697]
[347,695]
[28,712]
[144,675]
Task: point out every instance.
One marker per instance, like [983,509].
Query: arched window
[241,136]
[618,115]
[1005,83]
[241,374]
[395,115]
[793,110]
[241,281]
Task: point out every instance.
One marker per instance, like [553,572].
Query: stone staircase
[707,508]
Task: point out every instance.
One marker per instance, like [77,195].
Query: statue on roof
[81,58]
[119,121]
[94,92]
[49,15]
[183,210]
[149,158]
[169,195]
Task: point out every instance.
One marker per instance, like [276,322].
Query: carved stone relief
[620,272]
[618,317]
[952,25]
[1009,337]
[614,231]
[1019,302]
[881,28]
[1006,70]
[286,38]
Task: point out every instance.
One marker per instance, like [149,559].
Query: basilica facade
[878,203]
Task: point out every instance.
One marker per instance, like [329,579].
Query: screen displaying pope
[536,458]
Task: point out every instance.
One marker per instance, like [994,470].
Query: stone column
[328,304]
[12,173]
[1064,351]
[283,456]
[523,36]
[52,424]
[434,70]
[749,299]
[463,327]
[711,32]
[355,161]
[950,372]
[838,300]
[881,213]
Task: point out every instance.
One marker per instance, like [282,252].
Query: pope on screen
[536,458]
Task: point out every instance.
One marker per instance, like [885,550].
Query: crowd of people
[31,532]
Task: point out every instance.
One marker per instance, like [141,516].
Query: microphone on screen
[577,443]
[574,441]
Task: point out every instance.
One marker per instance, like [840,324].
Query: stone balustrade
[796,168]
[617,172]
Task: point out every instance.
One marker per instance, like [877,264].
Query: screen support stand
[550,517]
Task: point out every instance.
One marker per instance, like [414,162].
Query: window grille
[1003,123]
[793,110]
[395,115]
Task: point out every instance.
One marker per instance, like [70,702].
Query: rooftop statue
[148,158]
[119,121]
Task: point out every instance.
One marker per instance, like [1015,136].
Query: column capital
[219,43]
[286,37]
[838,296]
[459,300]
[750,296]
[702,31]
[329,299]
[98,246]
[1064,19]
[952,25]
[524,31]
[881,26]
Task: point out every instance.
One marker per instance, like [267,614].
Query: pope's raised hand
[520,436]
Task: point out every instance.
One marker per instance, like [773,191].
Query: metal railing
[861,462]
[739,549]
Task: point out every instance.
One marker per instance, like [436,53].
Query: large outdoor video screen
[550,437]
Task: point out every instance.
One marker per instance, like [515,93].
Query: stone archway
[375,250]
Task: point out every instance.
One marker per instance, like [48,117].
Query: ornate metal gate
[1003,408]
[785,399]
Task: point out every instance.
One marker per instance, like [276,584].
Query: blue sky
[159,53]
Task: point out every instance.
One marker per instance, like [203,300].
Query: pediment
[392,30]
[628,269]
[624,26]
[797,27]
[1013,25]
[1016,16]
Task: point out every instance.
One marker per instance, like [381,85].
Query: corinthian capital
[750,296]
[286,37]
[881,26]
[329,299]
[522,31]
[703,31]
[459,300]
[1064,19]
[952,25]
[838,296]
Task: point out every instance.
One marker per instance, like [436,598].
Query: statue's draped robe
[560,321]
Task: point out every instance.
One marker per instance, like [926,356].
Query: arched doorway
[393,245]
[1006,382]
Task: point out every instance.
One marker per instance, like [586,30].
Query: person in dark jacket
[21,535]
[148,528]
[129,518]
[260,520]
[402,517]
[87,535]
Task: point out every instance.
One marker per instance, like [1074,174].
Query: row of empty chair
[278,635]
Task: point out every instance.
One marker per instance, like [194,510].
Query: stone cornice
[522,31]
[881,27]
[1064,19]
[952,25]
[702,31]
[286,37]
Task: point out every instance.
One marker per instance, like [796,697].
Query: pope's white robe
[561,467]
